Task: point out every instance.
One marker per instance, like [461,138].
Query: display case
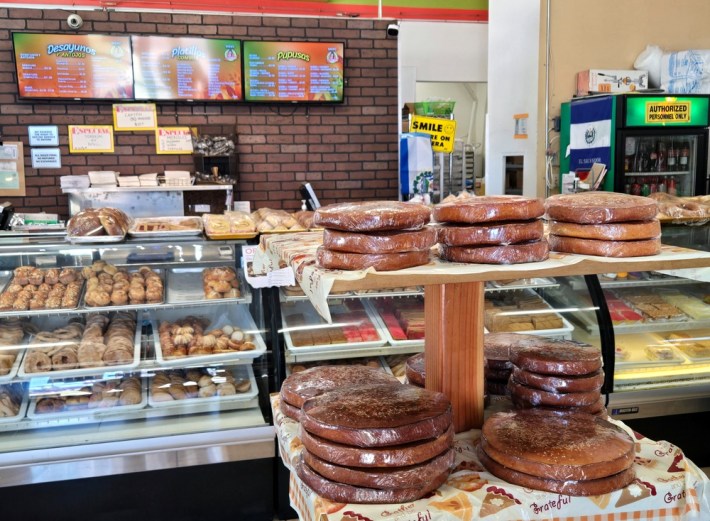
[128,384]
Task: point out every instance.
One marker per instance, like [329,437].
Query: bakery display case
[131,356]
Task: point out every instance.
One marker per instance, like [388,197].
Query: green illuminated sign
[666,111]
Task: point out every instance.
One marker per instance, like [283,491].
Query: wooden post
[454,348]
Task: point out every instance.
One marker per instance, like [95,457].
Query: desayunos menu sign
[73,66]
[293,71]
[186,68]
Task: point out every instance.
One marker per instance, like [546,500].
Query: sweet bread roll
[600,208]
[629,231]
[372,216]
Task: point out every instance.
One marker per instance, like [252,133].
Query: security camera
[392,30]
[74,21]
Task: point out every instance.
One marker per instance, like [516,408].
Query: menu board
[186,68]
[293,71]
[73,66]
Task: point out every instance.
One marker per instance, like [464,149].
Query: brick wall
[347,151]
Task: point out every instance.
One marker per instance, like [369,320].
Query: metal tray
[126,307]
[316,322]
[214,403]
[21,412]
[185,285]
[219,316]
[197,230]
[50,323]
[29,311]
[87,414]
[17,363]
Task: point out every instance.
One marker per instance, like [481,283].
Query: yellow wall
[610,34]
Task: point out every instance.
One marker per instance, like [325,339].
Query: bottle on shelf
[661,186]
[672,157]
[671,186]
[652,159]
[645,187]
[653,185]
[684,157]
[661,157]
[635,186]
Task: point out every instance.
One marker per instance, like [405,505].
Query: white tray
[383,365]
[698,333]
[50,323]
[95,239]
[388,336]
[636,346]
[214,403]
[128,306]
[562,333]
[165,233]
[219,316]
[314,319]
[21,413]
[185,285]
[16,365]
[88,414]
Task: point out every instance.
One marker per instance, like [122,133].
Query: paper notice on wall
[173,140]
[134,116]
[90,139]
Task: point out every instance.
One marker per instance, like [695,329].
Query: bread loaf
[559,384]
[380,242]
[640,248]
[489,208]
[491,233]
[338,260]
[558,357]
[535,251]
[629,231]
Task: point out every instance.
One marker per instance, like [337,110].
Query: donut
[560,384]
[640,248]
[338,260]
[535,251]
[600,208]
[37,362]
[491,233]
[552,399]
[629,231]
[341,492]
[590,487]
[489,208]
[372,216]
[558,357]
[382,478]
[380,242]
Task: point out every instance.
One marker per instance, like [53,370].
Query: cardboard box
[593,81]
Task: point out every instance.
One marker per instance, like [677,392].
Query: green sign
[666,111]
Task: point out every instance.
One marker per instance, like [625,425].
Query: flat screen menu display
[167,68]
[293,71]
[73,66]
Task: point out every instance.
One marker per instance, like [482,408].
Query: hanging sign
[173,140]
[442,131]
[134,116]
[90,139]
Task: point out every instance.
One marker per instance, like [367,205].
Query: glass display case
[142,355]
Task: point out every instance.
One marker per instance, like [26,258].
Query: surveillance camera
[392,30]
[74,21]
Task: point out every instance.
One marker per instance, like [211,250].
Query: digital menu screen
[73,66]
[186,68]
[293,71]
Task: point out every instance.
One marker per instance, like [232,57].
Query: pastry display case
[143,355]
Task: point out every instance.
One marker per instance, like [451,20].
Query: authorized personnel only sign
[668,112]
[442,132]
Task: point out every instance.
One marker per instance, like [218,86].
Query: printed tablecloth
[668,487]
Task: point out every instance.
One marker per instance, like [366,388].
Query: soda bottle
[661,187]
[671,186]
[672,157]
[635,187]
[662,154]
[653,185]
[645,187]
[684,156]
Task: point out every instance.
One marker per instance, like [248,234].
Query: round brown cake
[388,477]
[340,260]
[496,375]
[489,208]
[492,233]
[415,369]
[600,208]
[342,493]
[377,415]
[563,446]
[591,487]
[510,254]
[380,243]
[560,384]
[299,387]
[289,410]
[370,216]
[630,231]
[597,408]
[615,249]
[558,357]
[552,399]
[395,456]
[497,347]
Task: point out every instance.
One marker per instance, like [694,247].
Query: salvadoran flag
[590,133]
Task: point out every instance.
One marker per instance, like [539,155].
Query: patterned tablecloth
[667,487]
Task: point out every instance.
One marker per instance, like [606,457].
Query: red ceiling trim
[414,13]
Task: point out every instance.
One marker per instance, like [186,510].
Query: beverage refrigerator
[649,143]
